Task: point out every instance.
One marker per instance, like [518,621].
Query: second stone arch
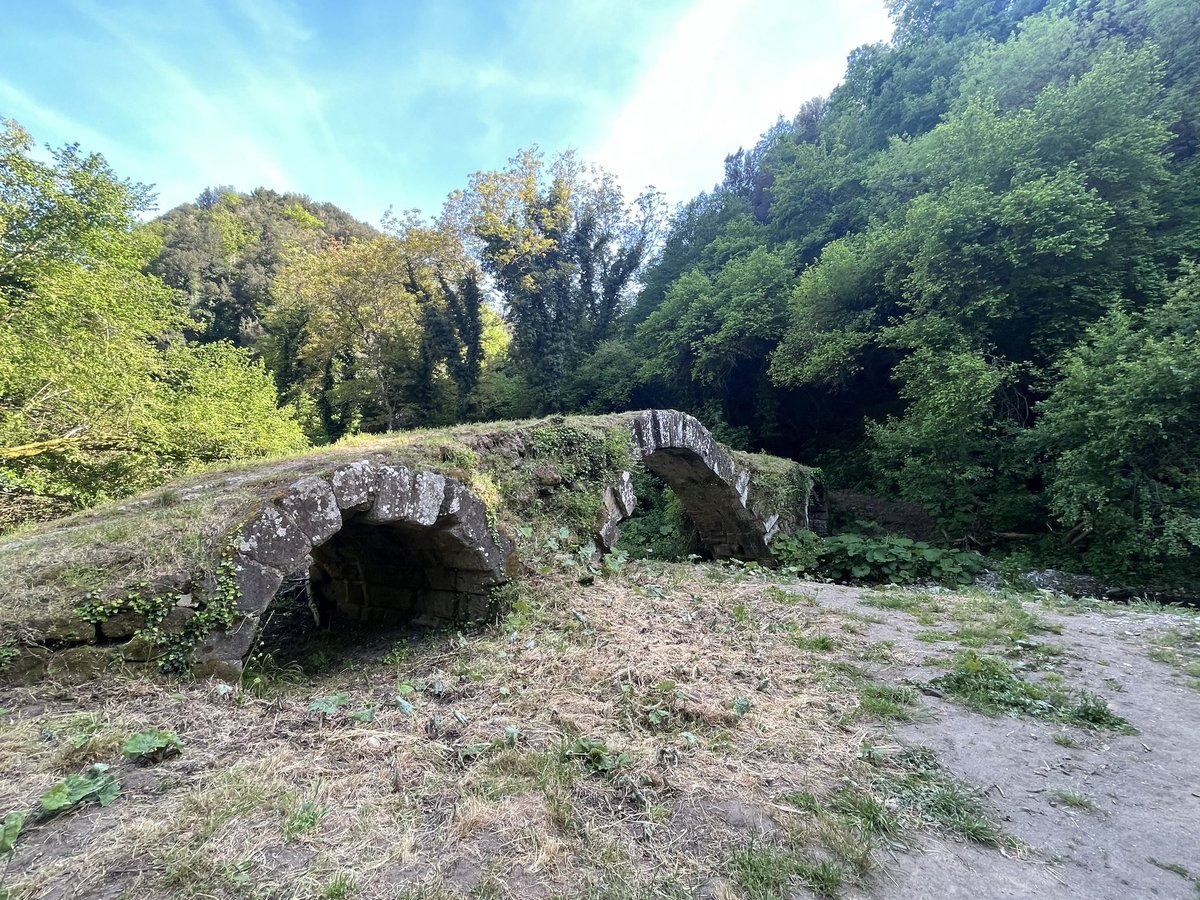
[714,490]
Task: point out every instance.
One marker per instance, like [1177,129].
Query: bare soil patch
[1105,815]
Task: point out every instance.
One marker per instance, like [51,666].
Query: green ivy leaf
[10,830]
[328,706]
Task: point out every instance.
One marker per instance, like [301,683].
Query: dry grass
[691,683]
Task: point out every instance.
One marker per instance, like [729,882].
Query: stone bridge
[380,544]
[712,488]
[366,535]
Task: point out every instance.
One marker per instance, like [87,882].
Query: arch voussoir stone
[354,486]
[311,504]
[714,490]
[376,543]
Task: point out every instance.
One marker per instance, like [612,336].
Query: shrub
[858,558]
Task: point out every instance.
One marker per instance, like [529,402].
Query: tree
[380,334]
[713,335]
[95,383]
[360,324]
[1121,440]
[564,251]
[692,227]
[226,250]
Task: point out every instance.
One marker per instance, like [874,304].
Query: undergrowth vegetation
[988,685]
[833,839]
[857,558]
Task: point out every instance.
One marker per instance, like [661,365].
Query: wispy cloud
[720,77]
[40,118]
[275,20]
[239,114]
[376,103]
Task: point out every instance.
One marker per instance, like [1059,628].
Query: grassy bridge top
[533,479]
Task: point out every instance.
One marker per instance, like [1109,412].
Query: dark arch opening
[388,575]
[371,547]
[659,526]
[727,528]
[372,585]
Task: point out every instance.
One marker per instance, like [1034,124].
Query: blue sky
[374,104]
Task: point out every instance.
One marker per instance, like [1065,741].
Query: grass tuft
[987,685]
[767,873]
[887,702]
[1074,799]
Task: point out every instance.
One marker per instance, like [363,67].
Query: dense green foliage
[1121,435]
[963,280]
[564,250]
[99,394]
[892,559]
[226,250]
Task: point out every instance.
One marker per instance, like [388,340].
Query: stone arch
[713,489]
[380,544]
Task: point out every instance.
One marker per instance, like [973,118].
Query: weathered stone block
[393,494]
[452,500]
[429,491]
[231,644]
[275,540]
[66,628]
[623,495]
[474,582]
[354,485]
[138,649]
[619,502]
[228,670]
[743,486]
[440,579]
[609,534]
[256,584]
[176,619]
[311,505]
[122,625]
[438,604]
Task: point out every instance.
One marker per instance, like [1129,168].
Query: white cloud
[276,20]
[402,107]
[720,77]
[239,115]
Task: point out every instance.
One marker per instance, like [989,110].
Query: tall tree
[564,250]
[379,334]
[99,396]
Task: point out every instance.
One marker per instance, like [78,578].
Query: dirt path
[1141,839]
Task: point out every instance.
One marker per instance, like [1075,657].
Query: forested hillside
[966,279]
